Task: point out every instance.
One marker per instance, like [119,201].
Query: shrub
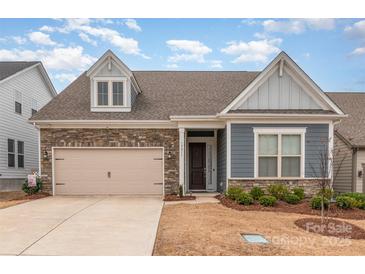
[355,195]
[233,193]
[245,198]
[279,191]
[361,205]
[256,192]
[328,193]
[316,202]
[299,191]
[292,198]
[346,202]
[30,190]
[267,200]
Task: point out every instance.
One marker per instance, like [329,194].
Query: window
[11,153]
[18,102]
[103,93]
[110,94]
[34,106]
[21,154]
[279,152]
[117,93]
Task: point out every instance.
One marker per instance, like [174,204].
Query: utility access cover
[254,238]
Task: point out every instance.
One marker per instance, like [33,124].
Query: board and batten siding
[221,159]
[242,147]
[342,166]
[280,93]
[32,87]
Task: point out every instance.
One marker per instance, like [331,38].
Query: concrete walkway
[110,225]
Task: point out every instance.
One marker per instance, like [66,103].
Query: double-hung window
[21,154]
[110,93]
[18,102]
[279,152]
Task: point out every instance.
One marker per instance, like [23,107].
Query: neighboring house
[24,88]
[117,131]
[350,143]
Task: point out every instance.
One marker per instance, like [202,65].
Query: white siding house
[24,88]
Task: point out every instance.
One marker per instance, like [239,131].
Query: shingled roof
[9,68]
[164,93]
[351,128]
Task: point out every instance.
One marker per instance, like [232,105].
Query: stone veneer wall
[311,187]
[167,138]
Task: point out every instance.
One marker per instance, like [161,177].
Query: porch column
[182,158]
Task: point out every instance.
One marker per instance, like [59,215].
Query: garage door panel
[108,171]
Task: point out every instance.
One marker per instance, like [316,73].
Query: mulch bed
[172,198]
[32,197]
[331,227]
[302,208]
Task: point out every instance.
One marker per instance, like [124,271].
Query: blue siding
[242,147]
[221,159]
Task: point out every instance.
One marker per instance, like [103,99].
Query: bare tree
[326,172]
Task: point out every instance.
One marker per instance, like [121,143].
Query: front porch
[202,162]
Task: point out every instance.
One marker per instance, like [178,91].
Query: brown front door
[197,166]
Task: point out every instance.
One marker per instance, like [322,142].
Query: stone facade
[311,187]
[69,137]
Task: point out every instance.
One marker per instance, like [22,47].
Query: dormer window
[112,85]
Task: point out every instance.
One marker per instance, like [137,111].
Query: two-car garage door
[108,171]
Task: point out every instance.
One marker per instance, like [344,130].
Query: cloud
[83,25]
[358,51]
[47,29]
[172,66]
[297,26]
[187,51]
[41,38]
[61,58]
[356,31]
[250,22]
[253,51]
[19,40]
[65,77]
[216,64]
[132,24]
[84,37]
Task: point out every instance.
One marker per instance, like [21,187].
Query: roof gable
[282,85]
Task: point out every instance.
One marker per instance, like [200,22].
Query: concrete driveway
[111,225]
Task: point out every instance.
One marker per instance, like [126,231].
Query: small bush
[245,199]
[279,191]
[30,190]
[355,195]
[292,198]
[299,191]
[256,192]
[328,193]
[346,202]
[267,200]
[361,205]
[233,193]
[316,202]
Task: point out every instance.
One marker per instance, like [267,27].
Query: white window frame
[110,81]
[279,132]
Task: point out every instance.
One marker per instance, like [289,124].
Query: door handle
[109,174]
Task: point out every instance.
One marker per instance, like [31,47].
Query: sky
[330,51]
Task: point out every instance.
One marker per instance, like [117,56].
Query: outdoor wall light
[45,155]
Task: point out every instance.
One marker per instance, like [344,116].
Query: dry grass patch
[212,229]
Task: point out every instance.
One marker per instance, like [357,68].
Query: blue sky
[331,51]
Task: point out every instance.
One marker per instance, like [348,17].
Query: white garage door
[108,171]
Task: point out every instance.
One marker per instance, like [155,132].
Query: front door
[197,166]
